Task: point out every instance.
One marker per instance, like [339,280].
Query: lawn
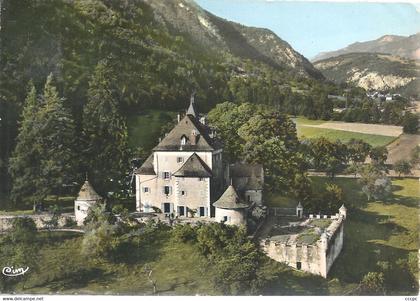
[343,136]
[305,131]
[144,129]
[178,268]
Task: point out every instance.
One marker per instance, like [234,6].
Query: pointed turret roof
[192,109]
[194,167]
[87,193]
[230,200]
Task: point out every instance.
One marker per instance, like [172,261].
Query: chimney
[193,137]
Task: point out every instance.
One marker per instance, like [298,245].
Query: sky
[313,27]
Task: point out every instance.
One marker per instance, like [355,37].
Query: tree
[44,159]
[410,123]
[24,167]
[105,130]
[379,155]
[101,237]
[402,167]
[270,139]
[373,283]
[56,143]
[358,150]
[327,155]
[375,183]
[333,197]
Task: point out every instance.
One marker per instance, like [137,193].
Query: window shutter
[170,189]
[206,211]
[198,211]
[163,189]
[171,207]
[162,207]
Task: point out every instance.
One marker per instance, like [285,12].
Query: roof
[230,200]
[186,127]
[192,109]
[254,183]
[245,170]
[194,167]
[87,193]
[147,167]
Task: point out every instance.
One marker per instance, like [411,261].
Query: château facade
[185,175]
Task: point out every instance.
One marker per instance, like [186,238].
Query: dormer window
[183,140]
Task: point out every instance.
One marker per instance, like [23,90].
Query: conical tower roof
[230,200]
[87,193]
[192,109]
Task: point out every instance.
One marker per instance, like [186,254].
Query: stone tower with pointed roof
[184,174]
[230,208]
[87,197]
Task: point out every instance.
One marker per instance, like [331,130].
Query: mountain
[160,50]
[208,30]
[406,47]
[374,71]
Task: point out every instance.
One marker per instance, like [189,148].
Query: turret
[343,211]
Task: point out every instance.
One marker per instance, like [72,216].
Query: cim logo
[12,272]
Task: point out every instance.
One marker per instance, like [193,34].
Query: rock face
[373,71]
[407,47]
[204,28]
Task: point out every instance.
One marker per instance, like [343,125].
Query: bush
[69,222]
[373,284]
[23,230]
[184,233]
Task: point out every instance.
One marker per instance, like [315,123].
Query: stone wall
[315,258]
[39,219]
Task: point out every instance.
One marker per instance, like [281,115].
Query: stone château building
[185,174]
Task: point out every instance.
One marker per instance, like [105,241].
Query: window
[167,190]
[202,211]
[179,159]
[249,198]
[181,210]
[225,218]
[183,192]
[78,208]
[146,189]
[166,175]
[183,140]
[298,265]
[166,207]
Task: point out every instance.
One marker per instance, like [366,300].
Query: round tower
[87,197]
[230,208]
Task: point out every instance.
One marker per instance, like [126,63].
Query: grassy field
[144,129]
[304,130]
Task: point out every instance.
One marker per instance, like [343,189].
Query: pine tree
[24,163]
[105,130]
[57,142]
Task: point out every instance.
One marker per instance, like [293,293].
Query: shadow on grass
[362,251]
[79,279]
[294,283]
